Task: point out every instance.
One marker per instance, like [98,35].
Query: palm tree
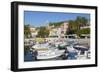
[72,27]
[81,21]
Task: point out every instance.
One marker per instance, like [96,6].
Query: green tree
[43,32]
[84,21]
[26,31]
[55,24]
[81,21]
[78,22]
[84,31]
[72,27]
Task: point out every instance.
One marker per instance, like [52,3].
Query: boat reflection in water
[57,51]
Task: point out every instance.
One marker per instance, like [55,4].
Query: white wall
[5,17]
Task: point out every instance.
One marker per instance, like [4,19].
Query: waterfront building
[58,31]
[33,31]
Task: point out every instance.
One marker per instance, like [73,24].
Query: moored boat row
[60,50]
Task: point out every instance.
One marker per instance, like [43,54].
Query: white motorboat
[47,52]
[40,46]
[81,48]
[83,52]
[62,44]
[71,49]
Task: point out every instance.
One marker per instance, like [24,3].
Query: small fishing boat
[40,46]
[81,48]
[83,52]
[45,51]
[71,49]
[72,53]
[49,54]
